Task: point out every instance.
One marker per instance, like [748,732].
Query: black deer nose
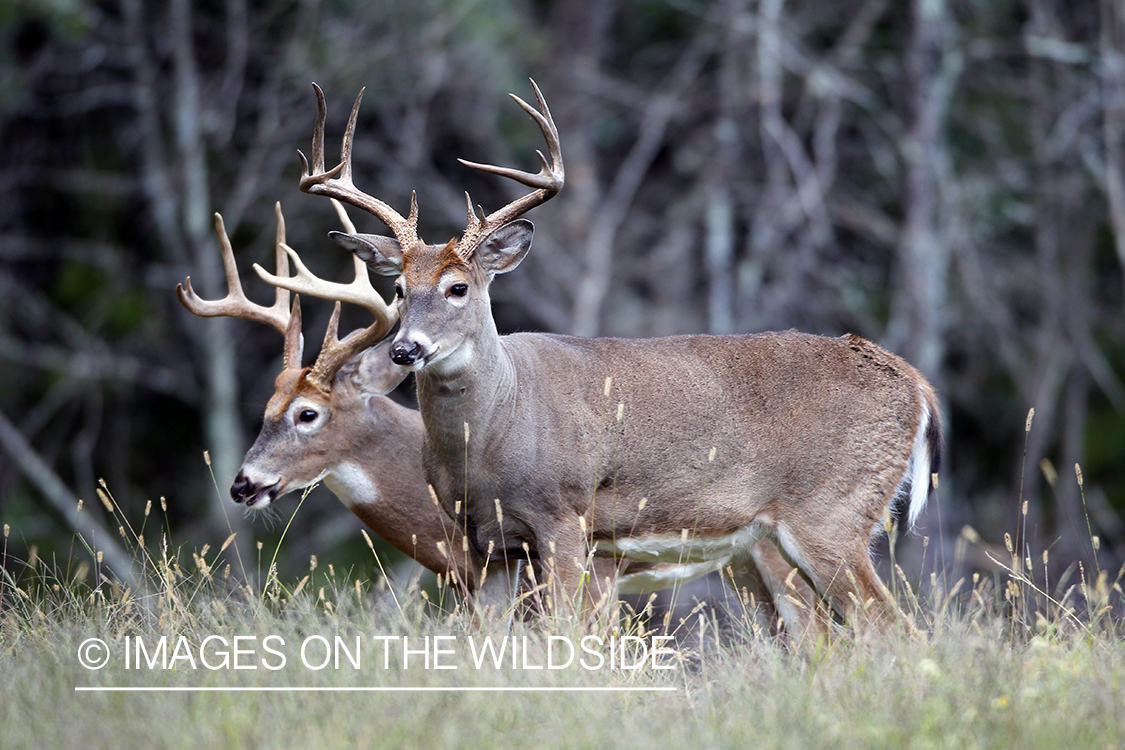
[242,488]
[245,490]
[405,353]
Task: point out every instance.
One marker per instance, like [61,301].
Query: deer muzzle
[406,353]
[245,490]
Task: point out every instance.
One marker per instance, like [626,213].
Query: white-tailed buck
[678,449]
[333,423]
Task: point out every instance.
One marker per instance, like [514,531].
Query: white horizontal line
[369,689]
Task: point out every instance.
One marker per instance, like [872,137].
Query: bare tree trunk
[176,185]
[933,67]
[1112,44]
[582,29]
[223,426]
[594,285]
[719,215]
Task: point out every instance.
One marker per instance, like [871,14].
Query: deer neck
[477,392]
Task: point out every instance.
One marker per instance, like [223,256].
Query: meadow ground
[998,663]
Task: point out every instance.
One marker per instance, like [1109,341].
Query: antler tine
[358,292]
[337,182]
[236,304]
[346,220]
[547,182]
[334,353]
[281,259]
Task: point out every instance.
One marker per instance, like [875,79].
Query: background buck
[333,423]
[721,440]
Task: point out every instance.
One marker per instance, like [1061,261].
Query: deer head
[294,447]
[442,289]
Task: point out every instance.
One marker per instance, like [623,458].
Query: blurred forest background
[944,177]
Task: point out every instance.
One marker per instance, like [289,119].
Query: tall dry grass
[1013,659]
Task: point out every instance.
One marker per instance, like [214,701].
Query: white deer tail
[925,459]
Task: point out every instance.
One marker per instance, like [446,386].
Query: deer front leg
[562,550]
[497,594]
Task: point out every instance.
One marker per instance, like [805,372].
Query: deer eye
[307,415]
[398,291]
[459,290]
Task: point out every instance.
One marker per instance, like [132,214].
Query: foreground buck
[332,423]
[721,440]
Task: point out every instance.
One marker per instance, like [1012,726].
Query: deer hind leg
[843,572]
[755,594]
[797,604]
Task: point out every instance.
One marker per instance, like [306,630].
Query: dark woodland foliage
[946,178]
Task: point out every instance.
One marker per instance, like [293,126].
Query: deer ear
[383,255]
[503,250]
[377,374]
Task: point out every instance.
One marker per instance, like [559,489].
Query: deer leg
[497,593]
[873,603]
[755,597]
[845,576]
[563,553]
[796,602]
[601,586]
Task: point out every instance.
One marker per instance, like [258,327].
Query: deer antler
[337,182]
[334,353]
[236,305]
[547,182]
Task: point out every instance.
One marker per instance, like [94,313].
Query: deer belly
[685,547]
[663,576]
